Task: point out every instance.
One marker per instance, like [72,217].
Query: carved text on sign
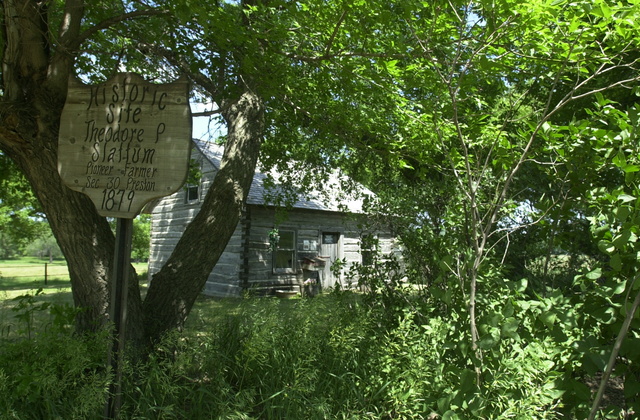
[125,142]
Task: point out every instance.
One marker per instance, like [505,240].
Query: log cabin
[307,246]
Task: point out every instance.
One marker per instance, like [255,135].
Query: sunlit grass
[32,273]
[22,280]
[29,274]
[208,311]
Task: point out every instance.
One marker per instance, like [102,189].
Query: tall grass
[336,356]
[45,370]
[298,359]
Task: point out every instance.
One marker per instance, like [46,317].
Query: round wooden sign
[125,142]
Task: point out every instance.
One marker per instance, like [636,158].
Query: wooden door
[330,251]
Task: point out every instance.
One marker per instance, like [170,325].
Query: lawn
[25,297]
[27,273]
[30,273]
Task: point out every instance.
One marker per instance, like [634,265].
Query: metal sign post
[124,143]
[118,313]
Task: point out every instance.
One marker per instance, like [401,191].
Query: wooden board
[125,142]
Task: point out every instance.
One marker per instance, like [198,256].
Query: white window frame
[279,252]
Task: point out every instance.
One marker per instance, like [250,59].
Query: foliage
[474,123]
[26,308]
[48,372]
[44,246]
[331,356]
[611,288]
[52,376]
[471,99]
[19,211]
[141,238]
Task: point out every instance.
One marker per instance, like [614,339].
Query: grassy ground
[327,357]
[25,299]
[27,273]
[24,274]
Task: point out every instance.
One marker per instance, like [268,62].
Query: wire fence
[26,275]
[32,275]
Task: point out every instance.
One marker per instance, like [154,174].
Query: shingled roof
[331,198]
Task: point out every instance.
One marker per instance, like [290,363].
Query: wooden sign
[125,142]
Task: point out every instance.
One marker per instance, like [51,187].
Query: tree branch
[325,57]
[177,61]
[207,113]
[107,23]
[614,352]
[335,32]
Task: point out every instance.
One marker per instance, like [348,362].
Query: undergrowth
[338,356]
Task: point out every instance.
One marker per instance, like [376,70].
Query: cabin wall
[309,226]
[170,218]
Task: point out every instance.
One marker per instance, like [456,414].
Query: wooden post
[118,313]
[45,273]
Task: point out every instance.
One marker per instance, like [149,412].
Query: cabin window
[368,247]
[192,193]
[330,238]
[367,257]
[192,186]
[284,255]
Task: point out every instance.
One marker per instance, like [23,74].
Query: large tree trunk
[34,80]
[176,286]
[35,74]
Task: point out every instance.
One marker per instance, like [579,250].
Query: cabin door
[330,251]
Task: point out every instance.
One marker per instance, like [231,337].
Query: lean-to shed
[267,254]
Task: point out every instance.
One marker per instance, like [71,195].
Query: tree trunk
[34,80]
[35,74]
[176,286]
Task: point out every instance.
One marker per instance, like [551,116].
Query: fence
[42,273]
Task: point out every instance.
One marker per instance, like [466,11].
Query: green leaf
[621,240]
[619,288]
[518,286]
[605,247]
[620,160]
[510,328]
[583,393]
[606,10]
[606,315]
[629,178]
[621,213]
[548,318]
[631,387]
[489,341]
[450,415]
[467,381]
[616,262]
[594,274]
[626,198]
[599,357]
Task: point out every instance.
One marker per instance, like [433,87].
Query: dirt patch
[613,394]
